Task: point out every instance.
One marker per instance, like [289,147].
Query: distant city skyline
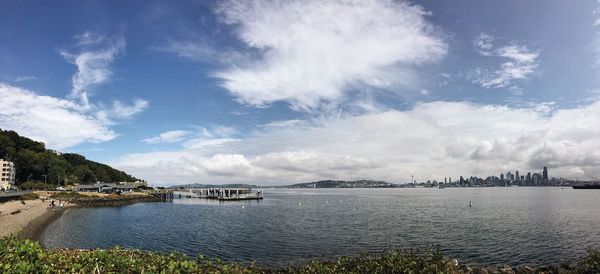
[268,92]
[531,179]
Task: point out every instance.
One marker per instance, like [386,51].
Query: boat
[587,186]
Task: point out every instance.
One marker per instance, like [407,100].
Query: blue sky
[273,92]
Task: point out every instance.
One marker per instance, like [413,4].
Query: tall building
[7,174]
[517,178]
[545,174]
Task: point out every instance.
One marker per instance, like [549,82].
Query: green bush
[26,256]
[590,264]
[68,195]
[37,186]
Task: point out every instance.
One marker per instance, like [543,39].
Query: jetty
[222,194]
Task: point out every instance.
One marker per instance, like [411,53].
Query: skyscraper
[517,177]
[545,174]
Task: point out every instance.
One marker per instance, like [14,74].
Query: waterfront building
[109,188]
[517,177]
[7,174]
[545,174]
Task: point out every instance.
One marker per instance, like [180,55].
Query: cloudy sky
[277,92]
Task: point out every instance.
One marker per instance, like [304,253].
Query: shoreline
[36,227]
[29,219]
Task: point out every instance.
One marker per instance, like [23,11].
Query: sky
[279,92]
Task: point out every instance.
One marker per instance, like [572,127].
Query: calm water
[505,225]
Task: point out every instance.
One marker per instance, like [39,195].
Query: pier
[165,196]
[223,194]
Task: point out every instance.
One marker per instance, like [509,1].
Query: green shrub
[590,264]
[68,196]
[26,256]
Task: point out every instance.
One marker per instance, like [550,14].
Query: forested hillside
[33,161]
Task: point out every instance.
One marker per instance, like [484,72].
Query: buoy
[470,203]
[243,206]
[299,204]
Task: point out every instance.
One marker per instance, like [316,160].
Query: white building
[7,174]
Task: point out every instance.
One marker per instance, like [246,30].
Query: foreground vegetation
[26,256]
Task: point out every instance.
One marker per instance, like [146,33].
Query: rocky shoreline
[110,201]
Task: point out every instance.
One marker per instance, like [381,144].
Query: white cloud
[484,44]
[206,142]
[121,111]
[93,63]
[316,51]
[57,122]
[172,136]
[519,63]
[64,123]
[432,141]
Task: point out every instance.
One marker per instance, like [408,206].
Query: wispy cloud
[93,62]
[172,136]
[64,123]
[484,44]
[519,63]
[120,111]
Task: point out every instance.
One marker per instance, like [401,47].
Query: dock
[164,195]
[222,194]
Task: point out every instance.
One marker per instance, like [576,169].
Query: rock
[525,270]
[506,270]
[482,271]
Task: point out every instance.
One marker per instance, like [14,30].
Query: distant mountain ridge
[344,184]
[33,162]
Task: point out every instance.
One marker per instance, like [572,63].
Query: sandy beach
[26,220]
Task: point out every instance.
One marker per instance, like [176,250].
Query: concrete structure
[220,193]
[7,174]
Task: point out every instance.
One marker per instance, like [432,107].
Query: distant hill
[33,161]
[344,184]
[213,186]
